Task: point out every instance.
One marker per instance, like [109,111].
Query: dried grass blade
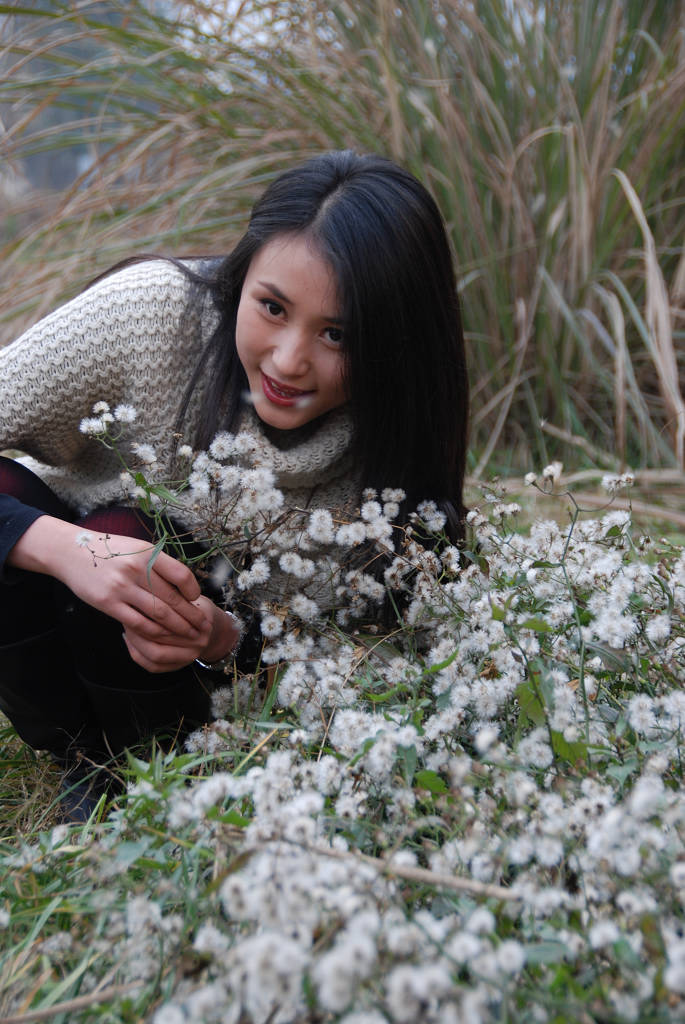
[659,323]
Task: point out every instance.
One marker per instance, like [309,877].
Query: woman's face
[289,333]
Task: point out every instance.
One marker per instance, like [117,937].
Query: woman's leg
[66,684]
[130,702]
[39,691]
[28,599]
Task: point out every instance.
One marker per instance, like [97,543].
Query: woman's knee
[119,521]
[21,483]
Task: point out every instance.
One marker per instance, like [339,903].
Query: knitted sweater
[130,339]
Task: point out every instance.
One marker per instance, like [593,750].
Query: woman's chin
[284,415]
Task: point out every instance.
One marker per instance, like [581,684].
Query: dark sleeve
[15,520]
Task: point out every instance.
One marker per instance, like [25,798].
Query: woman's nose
[291,354]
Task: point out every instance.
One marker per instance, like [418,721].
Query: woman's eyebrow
[275,290]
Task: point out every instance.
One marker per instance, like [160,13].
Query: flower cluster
[475,815]
[257,551]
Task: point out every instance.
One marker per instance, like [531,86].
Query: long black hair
[405,369]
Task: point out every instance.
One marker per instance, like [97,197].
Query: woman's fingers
[178,576]
[164,653]
[125,579]
[174,592]
[155,657]
[167,609]
[164,628]
[158,599]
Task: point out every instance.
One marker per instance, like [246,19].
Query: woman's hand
[167,623]
[166,653]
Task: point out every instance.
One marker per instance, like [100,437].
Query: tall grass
[550,133]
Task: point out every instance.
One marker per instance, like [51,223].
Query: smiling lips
[279,394]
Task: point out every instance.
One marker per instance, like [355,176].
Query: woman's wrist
[224,641]
[42,547]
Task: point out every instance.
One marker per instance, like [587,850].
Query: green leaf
[427,779]
[573,751]
[625,954]
[233,817]
[432,669]
[366,746]
[164,493]
[156,552]
[66,985]
[621,772]
[545,952]
[128,853]
[531,710]
[270,700]
[380,697]
[407,757]
[539,625]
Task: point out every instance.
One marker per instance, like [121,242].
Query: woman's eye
[333,335]
[272,307]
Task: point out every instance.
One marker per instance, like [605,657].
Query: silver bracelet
[227,660]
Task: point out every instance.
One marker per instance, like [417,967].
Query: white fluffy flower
[169,1014]
[145,452]
[222,447]
[321,527]
[511,956]
[603,933]
[124,413]
[142,914]
[230,478]
[535,750]
[481,922]
[485,738]
[350,534]
[261,570]
[304,607]
[371,510]
[270,625]
[210,940]
[293,563]
[92,426]
[553,472]
[431,516]
[548,851]
[640,712]
[658,628]
[613,482]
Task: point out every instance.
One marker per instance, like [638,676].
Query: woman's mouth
[281,394]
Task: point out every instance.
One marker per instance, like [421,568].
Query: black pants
[67,680]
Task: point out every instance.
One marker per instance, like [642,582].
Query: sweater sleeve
[103,343]
[15,519]
[120,341]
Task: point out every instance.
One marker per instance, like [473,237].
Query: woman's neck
[284,440]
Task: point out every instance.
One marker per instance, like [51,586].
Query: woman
[330,334]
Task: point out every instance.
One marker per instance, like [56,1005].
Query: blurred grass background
[550,132]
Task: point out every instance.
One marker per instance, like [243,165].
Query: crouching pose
[331,334]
